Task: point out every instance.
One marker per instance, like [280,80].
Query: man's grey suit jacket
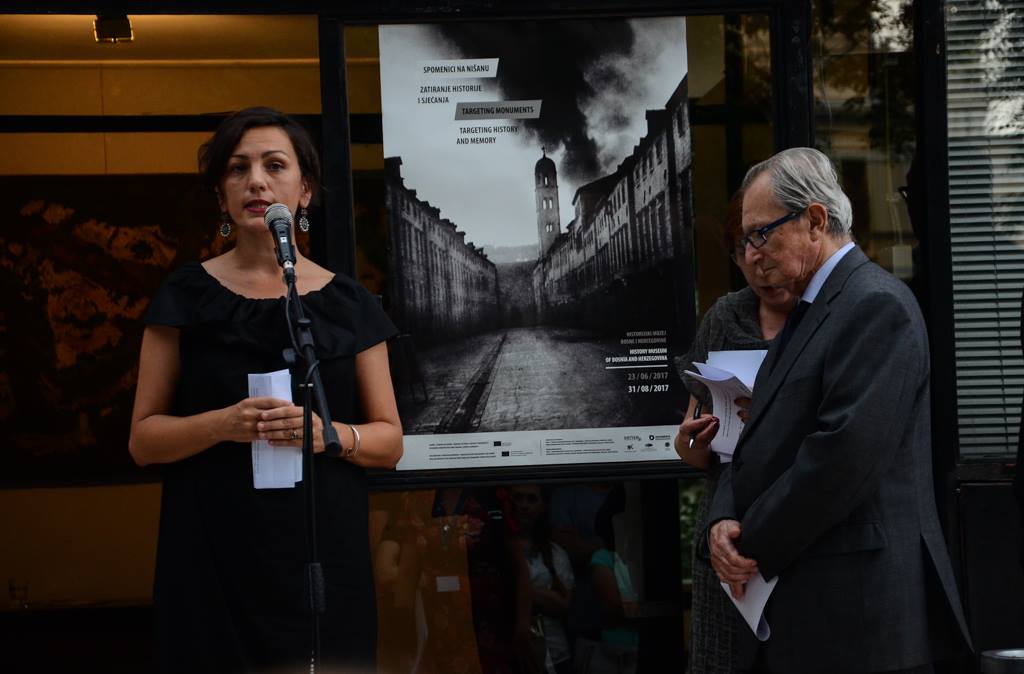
[832,484]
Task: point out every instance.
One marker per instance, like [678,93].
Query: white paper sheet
[751,607]
[725,386]
[448,584]
[743,364]
[274,467]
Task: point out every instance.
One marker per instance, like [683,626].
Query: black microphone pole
[301,335]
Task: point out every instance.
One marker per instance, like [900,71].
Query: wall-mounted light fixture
[113,28]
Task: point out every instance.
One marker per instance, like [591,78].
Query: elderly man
[830,488]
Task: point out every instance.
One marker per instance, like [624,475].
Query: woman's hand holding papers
[693,441]
[702,430]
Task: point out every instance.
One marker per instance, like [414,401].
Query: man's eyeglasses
[759,236]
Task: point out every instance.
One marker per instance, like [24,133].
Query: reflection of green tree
[690,492]
[754,54]
[862,54]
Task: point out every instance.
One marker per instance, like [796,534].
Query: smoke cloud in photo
[596,80]
[549,60]
[618,79]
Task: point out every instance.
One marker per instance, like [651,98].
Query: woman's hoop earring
[225,224]
[303,220]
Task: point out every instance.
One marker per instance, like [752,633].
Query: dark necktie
[789,328]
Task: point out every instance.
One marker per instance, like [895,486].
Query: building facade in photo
[442,286]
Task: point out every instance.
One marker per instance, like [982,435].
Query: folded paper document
[751,607]
[274,467]
[728,375]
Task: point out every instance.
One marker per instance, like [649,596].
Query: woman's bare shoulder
[312,276]
[217,265]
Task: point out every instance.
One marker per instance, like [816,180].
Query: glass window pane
[176,65]
[97,215]
[478,579]
[100,153]
[731,103]
[864,74]
[985,98]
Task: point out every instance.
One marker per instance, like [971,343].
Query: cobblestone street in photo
[524,378]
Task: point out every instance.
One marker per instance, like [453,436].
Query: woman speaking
[229,593]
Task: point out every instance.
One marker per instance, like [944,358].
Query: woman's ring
[294,434]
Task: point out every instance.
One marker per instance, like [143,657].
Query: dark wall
[993,582]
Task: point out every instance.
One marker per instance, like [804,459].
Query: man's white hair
[802,176]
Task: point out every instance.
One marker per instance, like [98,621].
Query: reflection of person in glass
[573,514]
[229,592]
[550,581]
[617,651]
[746,319]
[395,573]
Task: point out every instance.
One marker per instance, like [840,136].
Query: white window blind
[985,98]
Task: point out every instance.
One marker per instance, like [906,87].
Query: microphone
[279,220]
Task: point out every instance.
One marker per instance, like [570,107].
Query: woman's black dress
[229,594]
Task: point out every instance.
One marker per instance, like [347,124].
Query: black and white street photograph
[532,217]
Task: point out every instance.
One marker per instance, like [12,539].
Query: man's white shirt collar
[820,276]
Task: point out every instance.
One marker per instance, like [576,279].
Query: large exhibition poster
[538,191]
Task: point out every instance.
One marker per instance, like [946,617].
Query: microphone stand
[302,337]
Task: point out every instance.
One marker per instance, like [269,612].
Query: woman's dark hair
[215,153]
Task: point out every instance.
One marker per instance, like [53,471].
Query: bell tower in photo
[546,188]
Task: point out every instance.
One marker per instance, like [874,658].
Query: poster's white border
[585,446]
